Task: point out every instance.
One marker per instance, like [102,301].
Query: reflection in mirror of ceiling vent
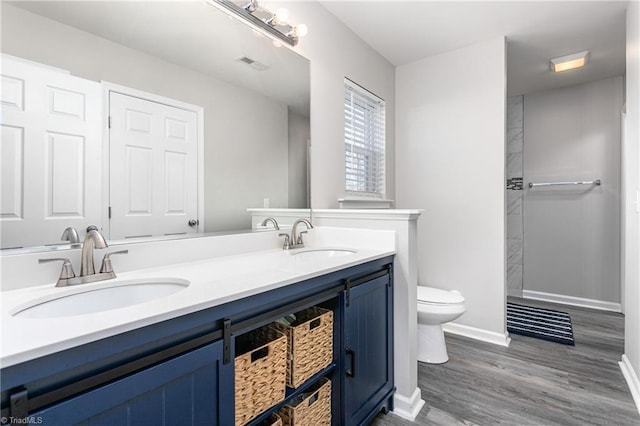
[253,64]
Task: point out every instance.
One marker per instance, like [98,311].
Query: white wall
[631,224]
[451,145]
[239,173]
[572,233]
[335,53]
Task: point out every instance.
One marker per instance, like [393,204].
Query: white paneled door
[50,153]
[153,149]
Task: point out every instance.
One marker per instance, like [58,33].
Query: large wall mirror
[185,69]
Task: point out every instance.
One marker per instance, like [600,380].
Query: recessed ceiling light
[569,62]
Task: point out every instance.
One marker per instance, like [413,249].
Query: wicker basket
[312,408]
[260,372]
[310,344]
[273,420]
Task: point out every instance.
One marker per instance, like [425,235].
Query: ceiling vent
[258,66]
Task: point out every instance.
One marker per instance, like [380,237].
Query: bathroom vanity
[171,361]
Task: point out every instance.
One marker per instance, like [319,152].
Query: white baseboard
[478,334]
[632,380]
[408,407]
[514,292]
[572,301]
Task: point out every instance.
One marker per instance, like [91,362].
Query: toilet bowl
[436,307]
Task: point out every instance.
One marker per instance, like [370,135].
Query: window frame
[369,144]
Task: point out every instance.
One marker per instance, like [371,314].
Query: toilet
[436,307]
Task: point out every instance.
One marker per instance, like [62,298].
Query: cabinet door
[186,390]
[368,349]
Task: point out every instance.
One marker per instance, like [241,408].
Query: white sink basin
[321,254]
[108,296]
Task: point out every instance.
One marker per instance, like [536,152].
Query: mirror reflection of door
[153,157]
[51,142]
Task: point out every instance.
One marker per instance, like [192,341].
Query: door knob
[194,222]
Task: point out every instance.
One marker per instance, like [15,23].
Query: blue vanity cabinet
[190,389]
[368,350]
[180,371]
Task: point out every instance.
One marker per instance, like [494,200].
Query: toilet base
[431,345]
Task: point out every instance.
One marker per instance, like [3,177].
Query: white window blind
[364,141]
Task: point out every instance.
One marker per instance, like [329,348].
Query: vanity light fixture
[299,30]
[252,6]
[281,17]
[569,62]
[274,24]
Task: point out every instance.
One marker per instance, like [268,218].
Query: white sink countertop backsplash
[213,281]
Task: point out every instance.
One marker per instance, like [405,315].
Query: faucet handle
[106,261]
[287,241]
[299,241]
[67,268]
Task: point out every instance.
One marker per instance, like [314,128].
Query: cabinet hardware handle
[19,404]
[351,371]
[226,337]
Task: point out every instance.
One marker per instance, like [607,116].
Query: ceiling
[536,31]
[402,31]
[192,34]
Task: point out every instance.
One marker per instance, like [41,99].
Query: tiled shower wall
[514,194]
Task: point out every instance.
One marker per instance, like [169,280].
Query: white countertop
[212,283]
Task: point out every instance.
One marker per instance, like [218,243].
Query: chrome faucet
[272,220]
[295,241]
[70,234]
[93,239]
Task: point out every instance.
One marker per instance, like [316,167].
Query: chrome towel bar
[596,182]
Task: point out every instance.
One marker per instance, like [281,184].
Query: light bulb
[300,30]
[281,16]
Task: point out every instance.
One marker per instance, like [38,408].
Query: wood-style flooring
[532,382]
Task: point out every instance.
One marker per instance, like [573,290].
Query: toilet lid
[436,295]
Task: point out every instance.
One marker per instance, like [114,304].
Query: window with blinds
[364,141]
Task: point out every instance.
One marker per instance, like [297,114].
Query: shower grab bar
[596,182]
